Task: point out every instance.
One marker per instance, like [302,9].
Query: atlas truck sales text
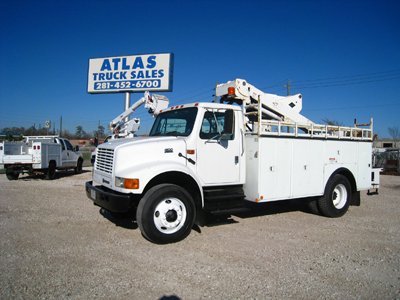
[210,158]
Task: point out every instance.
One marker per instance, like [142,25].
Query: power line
[338,81]
[275,85]
[396,72]
[353,107]
[356,79]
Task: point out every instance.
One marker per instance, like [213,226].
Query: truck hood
[132,155]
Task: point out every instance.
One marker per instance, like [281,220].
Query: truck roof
[203,104]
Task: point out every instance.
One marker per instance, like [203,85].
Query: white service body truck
[209,157]
[39,155]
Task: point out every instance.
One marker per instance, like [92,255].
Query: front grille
[104,160]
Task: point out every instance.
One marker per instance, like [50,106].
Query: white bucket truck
[210,157]
[39,155]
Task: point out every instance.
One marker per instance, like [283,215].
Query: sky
[342,56]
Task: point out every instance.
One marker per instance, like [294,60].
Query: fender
[147,171]
[145,159]
[347,173]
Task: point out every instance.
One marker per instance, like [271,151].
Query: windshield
[175,122]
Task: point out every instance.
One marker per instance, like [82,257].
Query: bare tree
[394,132]
[332,122]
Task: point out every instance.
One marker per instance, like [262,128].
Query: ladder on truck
[268,114]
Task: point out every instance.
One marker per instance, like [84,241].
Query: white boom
[154,104]
[273,107]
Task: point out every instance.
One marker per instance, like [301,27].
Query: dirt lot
[55,244]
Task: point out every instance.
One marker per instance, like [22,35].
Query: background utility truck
[39,154]
[209,157]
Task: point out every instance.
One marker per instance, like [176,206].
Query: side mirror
[229,122]
[76,148]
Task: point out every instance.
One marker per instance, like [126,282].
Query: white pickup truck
[39,155]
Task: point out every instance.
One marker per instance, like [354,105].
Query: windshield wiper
[171,133]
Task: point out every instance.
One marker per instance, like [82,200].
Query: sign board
[132,73]
[48,124]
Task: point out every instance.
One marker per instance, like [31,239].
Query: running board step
[231,211]
[223,198]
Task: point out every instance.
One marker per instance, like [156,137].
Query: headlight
[127,183]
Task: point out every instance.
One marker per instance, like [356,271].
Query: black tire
[12,175]
[78,168]
[166,214]
[336,200]
[51,171]
[313,206]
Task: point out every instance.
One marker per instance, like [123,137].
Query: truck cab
[194,149]
[69,154]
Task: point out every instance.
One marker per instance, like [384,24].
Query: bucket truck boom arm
[153,103]
[272,107]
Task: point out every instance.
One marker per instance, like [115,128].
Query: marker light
[231,91]
[132,184]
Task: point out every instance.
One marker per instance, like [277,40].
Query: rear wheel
[12,175]
[336,200]
[313,206]
[166,214]
[51,171]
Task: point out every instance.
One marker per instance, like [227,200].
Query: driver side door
[218,156]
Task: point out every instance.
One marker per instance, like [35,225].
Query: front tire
[166,214]
[78,168]
[336,200]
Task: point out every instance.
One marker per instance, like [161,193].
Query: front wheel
[336,200]
[166,214]
[78,168]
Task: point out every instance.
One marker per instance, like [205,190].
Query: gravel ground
[55,244]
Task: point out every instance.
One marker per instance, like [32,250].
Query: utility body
[204,158]
[39,155]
